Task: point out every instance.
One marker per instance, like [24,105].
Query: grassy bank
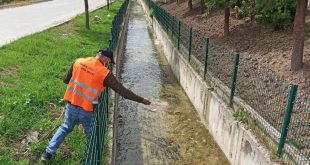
[31,87]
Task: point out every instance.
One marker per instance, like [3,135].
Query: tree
[220,5]
[86,15]
[226,21]
[299,35]
[227,5]
[190,5]
[202,6]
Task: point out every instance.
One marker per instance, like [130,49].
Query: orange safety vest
[86,82]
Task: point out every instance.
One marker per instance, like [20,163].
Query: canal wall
[113,113]
[239,144]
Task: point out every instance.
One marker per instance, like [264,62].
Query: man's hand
[146,101]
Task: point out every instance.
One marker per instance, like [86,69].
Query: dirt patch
[18,3]
[3,84]
[8,71]
[65,152]
[257,43]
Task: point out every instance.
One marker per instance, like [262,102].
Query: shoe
[45,157]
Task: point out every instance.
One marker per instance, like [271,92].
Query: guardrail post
[234,79]
[287,118]
[190,43]
[206,57]
[179,34]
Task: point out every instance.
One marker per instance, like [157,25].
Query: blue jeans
[73,115]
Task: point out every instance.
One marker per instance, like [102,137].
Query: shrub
[276,12]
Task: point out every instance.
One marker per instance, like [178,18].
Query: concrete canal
[168,131]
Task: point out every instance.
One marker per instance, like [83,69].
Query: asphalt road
[21,21]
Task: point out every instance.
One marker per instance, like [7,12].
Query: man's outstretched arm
[112,82]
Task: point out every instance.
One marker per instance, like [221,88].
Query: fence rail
[95,147]
[284,117]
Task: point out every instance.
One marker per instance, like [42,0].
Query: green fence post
[89,153]
[287,118]
[166,20]
[97,138]
[234,79]
[110,43]
[206,57]
[172,21]
[161,17]
[190,43]
[179,34]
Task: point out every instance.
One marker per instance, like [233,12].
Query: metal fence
[116,25]
[100,120]
[282,111]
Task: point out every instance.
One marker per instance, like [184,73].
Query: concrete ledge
[239,144]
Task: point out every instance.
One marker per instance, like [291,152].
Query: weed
[151,13]
[240,116]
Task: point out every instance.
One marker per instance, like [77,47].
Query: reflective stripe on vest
[92,90]
[86,82]
[80,94]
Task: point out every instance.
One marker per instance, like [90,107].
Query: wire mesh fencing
[99,133]
[263,92]
[298,136]
[279,108]
[95,149]
[117,25]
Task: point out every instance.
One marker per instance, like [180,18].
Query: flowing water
[169,130]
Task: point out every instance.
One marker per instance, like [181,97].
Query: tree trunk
[108,4]
[202,6]
[190,5]
[86,15]
[226,22]
[299,35]
[252,10]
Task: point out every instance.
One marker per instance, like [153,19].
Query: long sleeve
[112,82]
[68,75]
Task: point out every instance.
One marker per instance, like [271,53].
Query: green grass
[4,1]
[31,87]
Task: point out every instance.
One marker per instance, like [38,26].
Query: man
[86,79]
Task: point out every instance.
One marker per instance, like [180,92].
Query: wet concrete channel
[168,131]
